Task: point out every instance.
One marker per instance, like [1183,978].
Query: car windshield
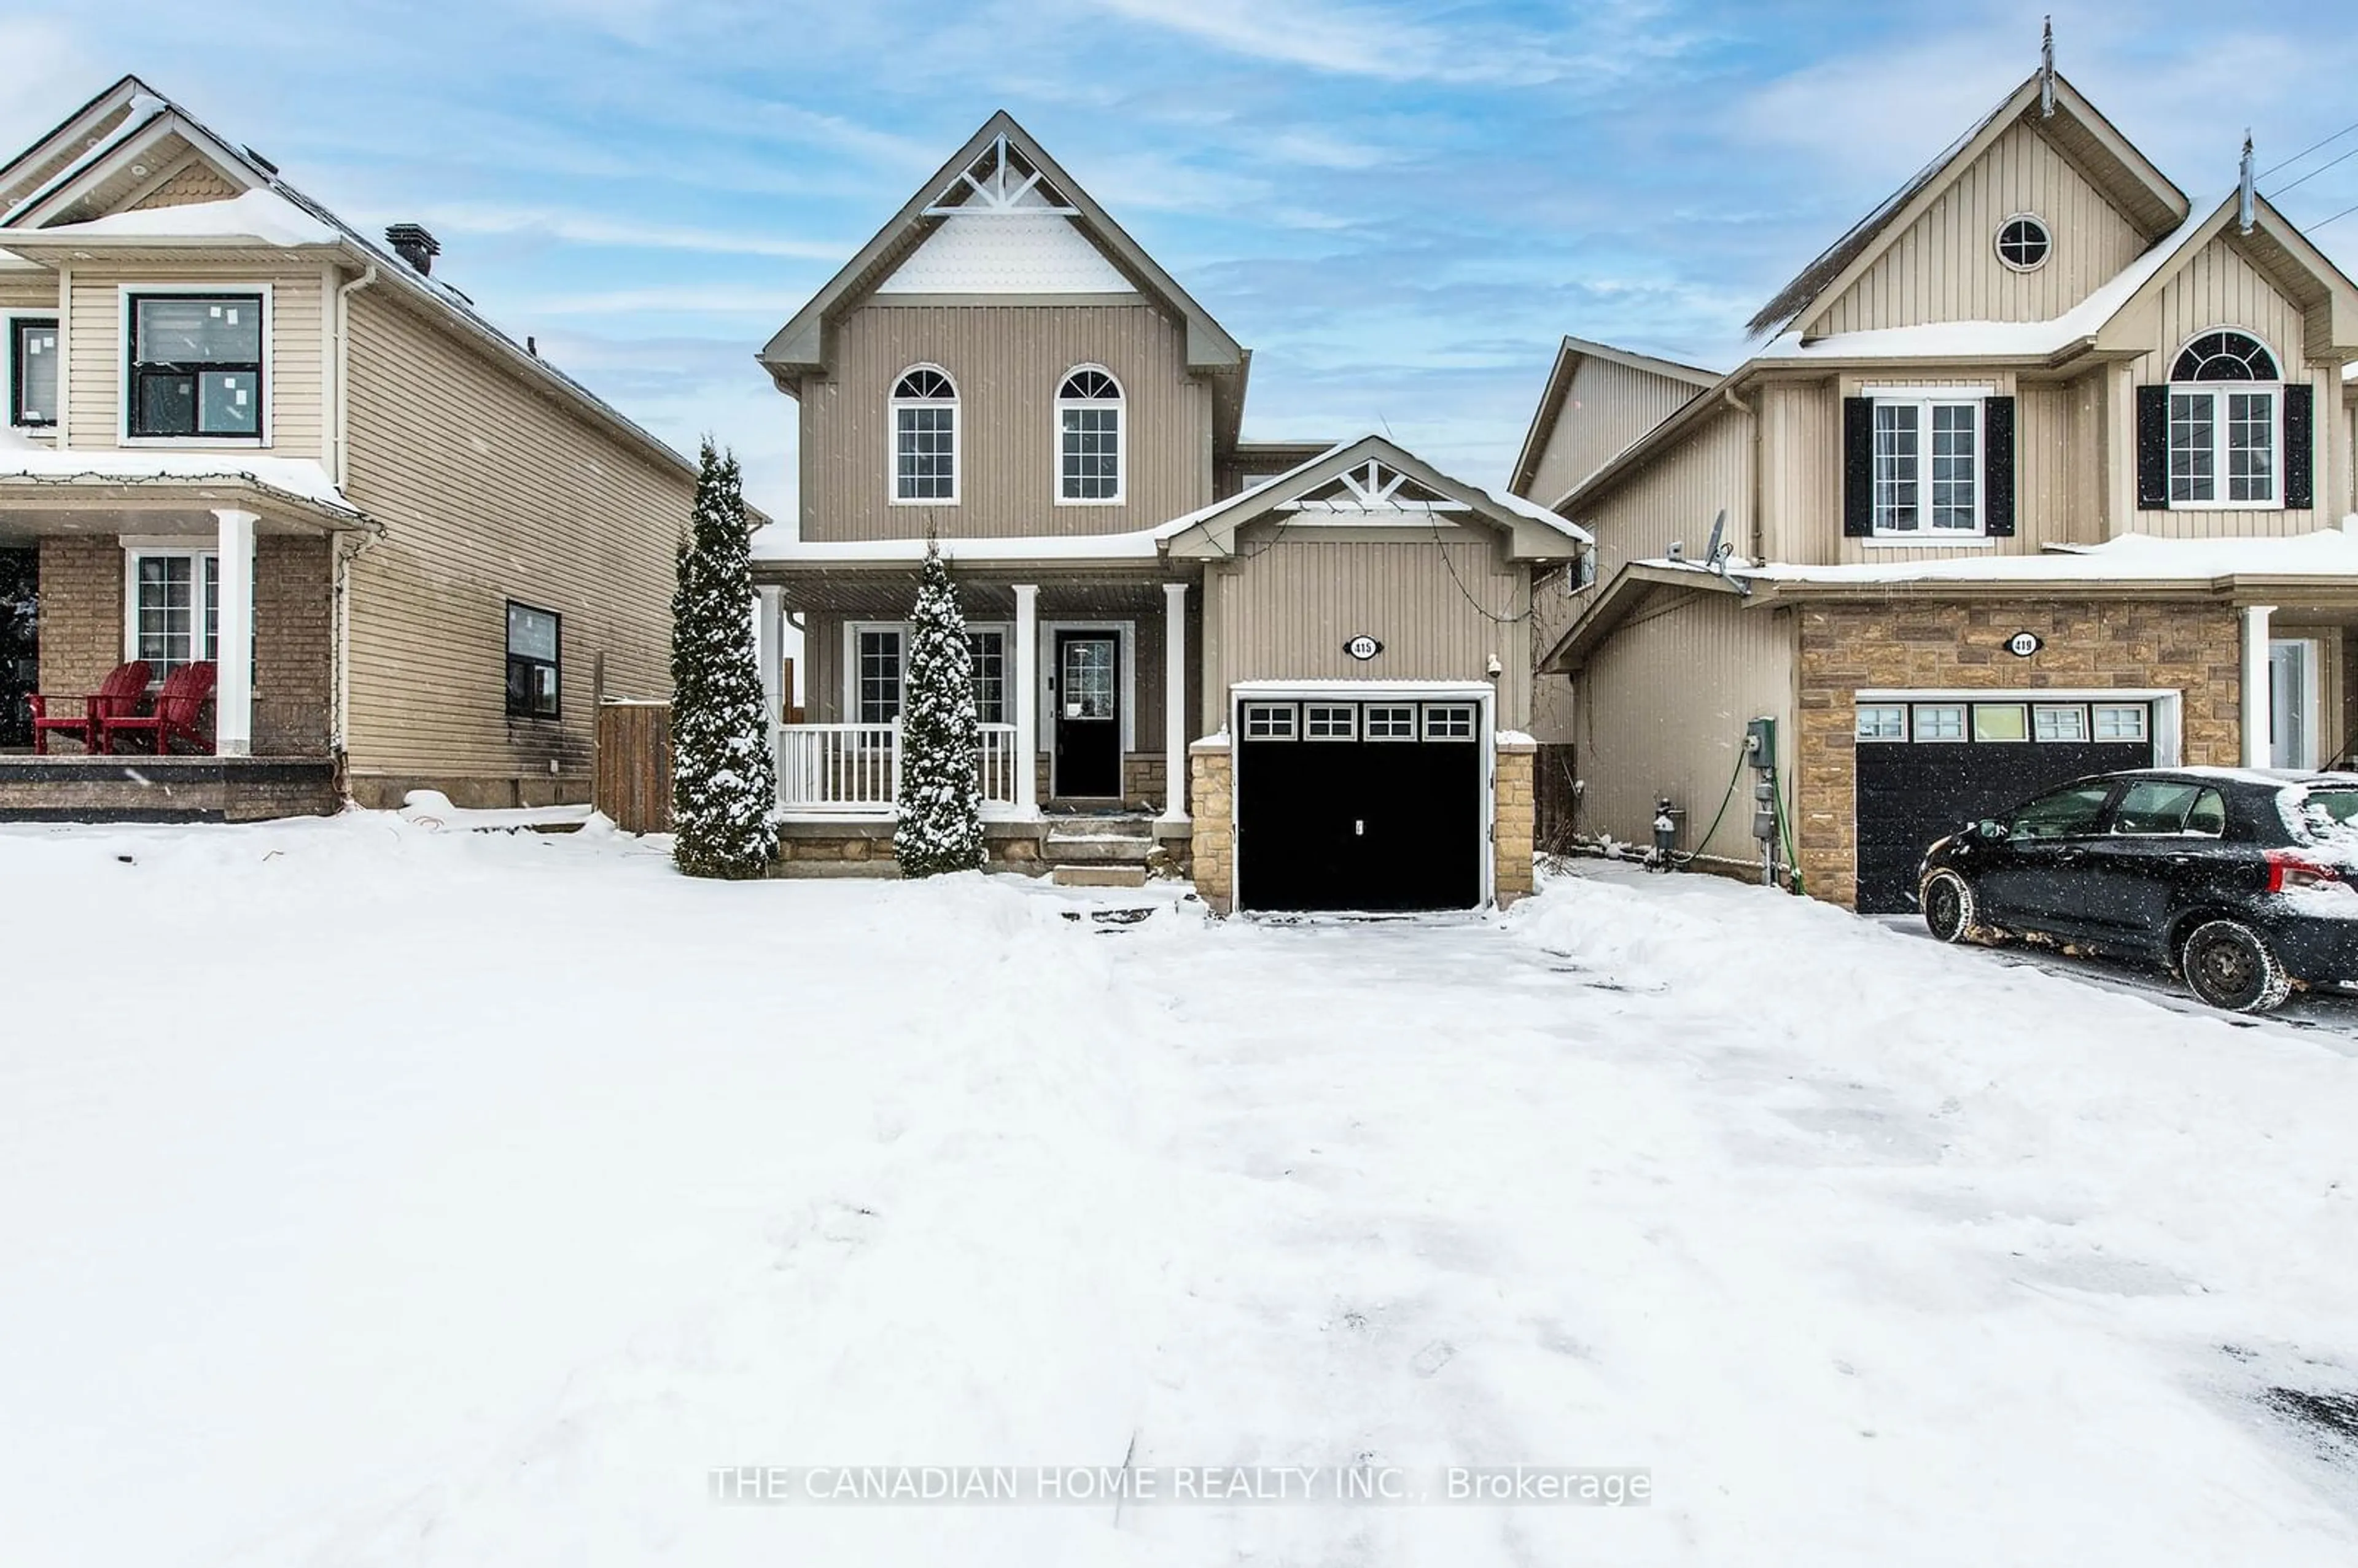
[2325,815]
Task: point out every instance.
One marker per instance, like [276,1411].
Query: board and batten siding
[98,353]
[1661,709]
[1945,267]
[491,491]
[2059,468]
[1676,495]
[1606,406]
[2217,288]
[1008,361]
[1283,611]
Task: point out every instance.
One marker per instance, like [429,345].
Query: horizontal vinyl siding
[489,492]
[1606,406]
[24,291]
[2219,288]
[1661,711]
[1285,612]
[1008,362]
[1945,266]
[97,352]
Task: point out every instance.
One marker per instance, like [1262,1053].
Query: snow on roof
[1996,340]
[2132,557]
[297,478]
[260,213]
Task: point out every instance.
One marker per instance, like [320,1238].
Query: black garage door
[1926,769]
[1358,805]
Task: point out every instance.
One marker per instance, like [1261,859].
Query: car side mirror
[1991,828]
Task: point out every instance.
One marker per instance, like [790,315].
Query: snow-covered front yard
[376,1195]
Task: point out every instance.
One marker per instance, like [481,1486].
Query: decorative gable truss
[1375,492]
[1001,181]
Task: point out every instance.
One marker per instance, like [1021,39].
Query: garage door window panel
[1329,721]
[1269,722]
[2120,723]
[1939,722]
[2001,722]
[1448,722]
[1386,724]
[2051,722]
[1882,721]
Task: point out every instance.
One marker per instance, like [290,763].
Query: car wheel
[2228,965]
[1951,911]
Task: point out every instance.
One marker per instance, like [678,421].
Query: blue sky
[1400,207]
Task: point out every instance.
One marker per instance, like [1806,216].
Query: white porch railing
[855,768]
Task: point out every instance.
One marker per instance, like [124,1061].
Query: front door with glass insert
[2292,703]
[1087,705]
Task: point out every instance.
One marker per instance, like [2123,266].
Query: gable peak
[1002,180]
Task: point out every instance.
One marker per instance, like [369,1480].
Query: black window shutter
[1997,467]
[1858,467]
[2301,447]
[2153,447]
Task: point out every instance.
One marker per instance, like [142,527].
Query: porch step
[1098,876]
[1100,841]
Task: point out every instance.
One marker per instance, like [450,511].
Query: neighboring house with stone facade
[236,424]
[2038,474]
[1302,669]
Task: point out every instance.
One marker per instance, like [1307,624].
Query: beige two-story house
[2040,470]
[241,435]
[1302,668]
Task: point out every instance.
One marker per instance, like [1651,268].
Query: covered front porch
[1082,679]
[176,635]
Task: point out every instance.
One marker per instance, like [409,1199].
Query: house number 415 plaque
[1363,647]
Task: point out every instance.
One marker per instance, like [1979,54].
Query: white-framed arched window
[2227,422]
[1089,457]
[924,437]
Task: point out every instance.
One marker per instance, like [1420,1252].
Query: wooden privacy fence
[634,774]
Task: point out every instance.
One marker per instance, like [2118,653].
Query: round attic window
[2023,243]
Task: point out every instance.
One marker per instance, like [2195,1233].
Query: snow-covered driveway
[441,1199]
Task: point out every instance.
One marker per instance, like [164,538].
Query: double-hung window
[879,671]
[175,608]
[34,384]
[196,366]
[535,655]
[924,437]
[2226,408]
[1928,464]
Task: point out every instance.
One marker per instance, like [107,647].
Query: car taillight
[2291,872]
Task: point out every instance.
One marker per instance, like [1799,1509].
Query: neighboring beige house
[1302,668]
[2038,473]
[234,422]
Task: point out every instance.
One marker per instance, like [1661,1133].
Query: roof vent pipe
[413,244]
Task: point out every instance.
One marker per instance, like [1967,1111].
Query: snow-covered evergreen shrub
[940,827]
[724,782]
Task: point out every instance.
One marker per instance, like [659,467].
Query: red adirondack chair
[185,692]
[120,692]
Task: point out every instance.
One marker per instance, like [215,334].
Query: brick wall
[2100,644]
[82,632]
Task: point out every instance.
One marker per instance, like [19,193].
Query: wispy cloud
[1392,45]
[624,233]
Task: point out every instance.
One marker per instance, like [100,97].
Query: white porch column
[1027,698]
[2259,714]
[770,649]
[1174,701]
[233,634]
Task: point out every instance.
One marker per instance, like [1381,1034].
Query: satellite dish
[1716,552]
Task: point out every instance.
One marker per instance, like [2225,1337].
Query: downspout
[341,474]
[1755,550]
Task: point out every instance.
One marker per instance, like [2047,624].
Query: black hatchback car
[2245,883]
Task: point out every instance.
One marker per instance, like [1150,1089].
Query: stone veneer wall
[1513,828]
[2098,644]
[1211,793]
